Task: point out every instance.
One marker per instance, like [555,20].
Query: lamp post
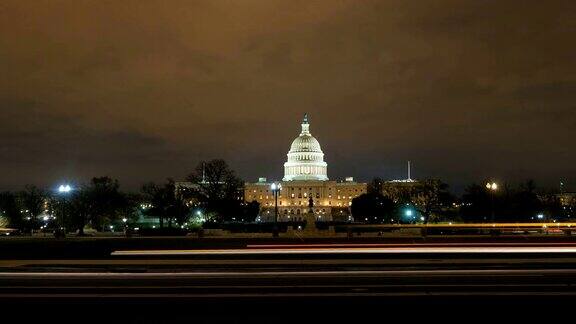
[276,188]
[63,190]
[127,231]
[492,187]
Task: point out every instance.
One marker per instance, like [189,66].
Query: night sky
[143,90]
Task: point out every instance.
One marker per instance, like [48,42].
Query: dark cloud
[143,90]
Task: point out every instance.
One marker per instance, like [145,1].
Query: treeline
[213,193]
[522,203]
[430,201]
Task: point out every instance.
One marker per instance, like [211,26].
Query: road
[281,282]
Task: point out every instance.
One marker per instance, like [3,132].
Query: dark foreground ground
[79,280]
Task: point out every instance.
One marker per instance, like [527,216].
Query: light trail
[390,245]
[349,251]
[470,225]
[274,274]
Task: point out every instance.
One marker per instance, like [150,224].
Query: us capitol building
[305,177]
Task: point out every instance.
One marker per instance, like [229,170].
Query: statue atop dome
[305,126]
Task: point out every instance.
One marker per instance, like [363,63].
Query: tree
[129,207]
[375,186]
[510,204]
[374,207]
[32,201]
[523,204]
[432,198]
[218,189]
[9,210]
[476,204]
[166,203]
[96,203]
[106,199]
[250,211]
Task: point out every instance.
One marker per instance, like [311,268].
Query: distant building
[405,189]
[305,177]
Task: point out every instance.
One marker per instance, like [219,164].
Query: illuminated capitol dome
[305,158]
[305,187]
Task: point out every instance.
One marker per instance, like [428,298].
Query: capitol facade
[306,179]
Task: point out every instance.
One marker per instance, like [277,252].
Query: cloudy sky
[143,90]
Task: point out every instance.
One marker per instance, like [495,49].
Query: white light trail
[407,250]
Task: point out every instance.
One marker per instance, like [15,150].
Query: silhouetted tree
[374,207]
[519,204]
[218,189]
[31,201]
[476,204]
[432,198]
[250,211]
[95,203]
[375,186]
[9,209]
[166,203]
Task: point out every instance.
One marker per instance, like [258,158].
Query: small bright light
[153,226]
[64,188]
[540,216]
[273,186]
[492,186]
[45,218]
[111,226]
[124,220]
[409,212]
[422,218]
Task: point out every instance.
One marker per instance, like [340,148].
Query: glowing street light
[492,187]
[64,188]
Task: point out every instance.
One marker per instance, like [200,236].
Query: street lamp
[492,187]
[276,188]
[63,190]
[127,231]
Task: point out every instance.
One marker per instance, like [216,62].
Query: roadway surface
[296,282]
